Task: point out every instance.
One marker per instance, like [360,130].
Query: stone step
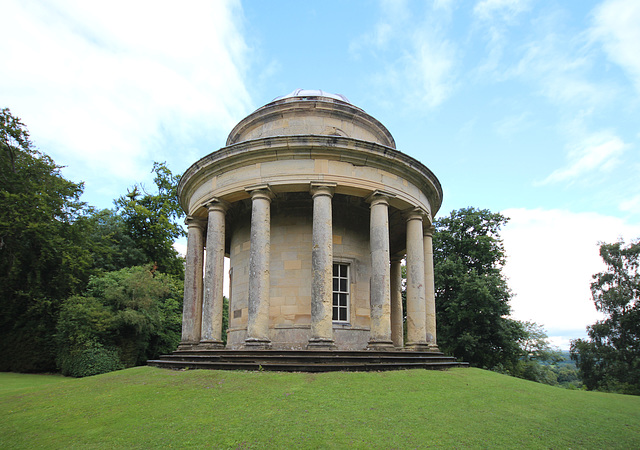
[304,361]
[304,367]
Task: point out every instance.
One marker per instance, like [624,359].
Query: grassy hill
[148,407]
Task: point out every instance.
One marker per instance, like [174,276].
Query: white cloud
[429,68]
[505,9]
[597,153]
[616,25]
[422,68]
[104,87]
[552,255]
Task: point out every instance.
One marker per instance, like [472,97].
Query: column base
[380,345]
[182,346]
[433,348]
[321,344]
[417,346]
[257,344]
[212,344]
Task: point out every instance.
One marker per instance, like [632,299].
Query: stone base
[210,345]
[257,344]
[322,344]
[187,345]
[417,346]
[380,345]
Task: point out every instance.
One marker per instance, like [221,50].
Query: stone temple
[315,208]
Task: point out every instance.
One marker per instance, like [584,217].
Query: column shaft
[416,307]
[214,277]
[322,268]
[430,295]
[259,256]
[380,287]
[397,331]
[192,305]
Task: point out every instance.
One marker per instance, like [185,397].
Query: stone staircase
[304,360]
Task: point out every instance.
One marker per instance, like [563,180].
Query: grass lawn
[149,407]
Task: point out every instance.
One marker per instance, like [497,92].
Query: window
[341,292]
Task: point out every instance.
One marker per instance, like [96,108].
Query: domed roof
[311,112]
[313,93]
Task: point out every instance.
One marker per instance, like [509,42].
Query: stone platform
[305,360]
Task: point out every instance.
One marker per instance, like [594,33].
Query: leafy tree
[135,312]
[43,256]
[472,296]
[610,358]
[112,246]
[151,220]
[535,344]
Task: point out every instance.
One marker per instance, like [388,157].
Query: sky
[528,108]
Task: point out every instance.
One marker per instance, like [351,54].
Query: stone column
[380,288]
[397,331]
[430,294]
[192,305]
[322,267]
[259,256]
[416,308]
[214,276]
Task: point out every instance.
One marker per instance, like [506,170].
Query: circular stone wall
[265,183]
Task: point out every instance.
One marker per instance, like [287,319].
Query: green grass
[148,407]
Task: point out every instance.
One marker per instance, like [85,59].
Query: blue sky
[531,108]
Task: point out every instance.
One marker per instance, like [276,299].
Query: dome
[311,112]
[313,93]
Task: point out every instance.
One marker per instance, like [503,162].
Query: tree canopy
[52,244]
[472,296]
[610,358]
[43,256]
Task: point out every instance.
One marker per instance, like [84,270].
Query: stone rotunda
[315,209]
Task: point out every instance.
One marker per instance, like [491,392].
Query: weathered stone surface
[430,295]
[192,304]
[214,276]
[321,266]
[259,277]
[303,184]
[416,306]
[380,336]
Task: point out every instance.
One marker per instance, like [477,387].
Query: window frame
[346,292]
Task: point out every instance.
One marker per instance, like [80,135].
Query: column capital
[322,188]
[217,204]
[260,191]
[196,222]
[414,214]
[379,196]
[429,230]
[396,259]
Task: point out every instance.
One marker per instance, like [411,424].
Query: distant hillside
[146,407]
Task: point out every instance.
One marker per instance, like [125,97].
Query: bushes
[124,318]
[93,359]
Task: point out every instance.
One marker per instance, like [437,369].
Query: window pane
[335,270]
[343,285]
[335,299]
[335,284]
[343,300]
[343,314]
[343,270]
[335,314]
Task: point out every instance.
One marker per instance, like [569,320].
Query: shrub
[91,359]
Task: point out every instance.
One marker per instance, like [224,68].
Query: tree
[151,220]
[610,358]
[472,296]
[43,256]
[111,243]
[134,312]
